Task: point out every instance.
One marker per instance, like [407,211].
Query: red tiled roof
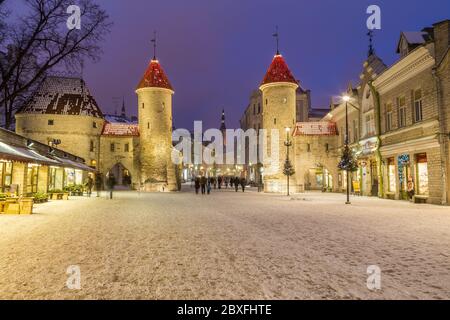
[154,76]
[278,71]
[121,129]
[321,128]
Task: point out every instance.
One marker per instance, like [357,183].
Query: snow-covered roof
[278,71]
[154,76]
[118,119]
[62,95]
[315,128]
[120,129]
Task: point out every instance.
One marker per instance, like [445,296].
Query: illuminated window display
[391,175]
[5,175]
[422,174]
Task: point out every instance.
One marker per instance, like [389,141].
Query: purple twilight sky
[216,52]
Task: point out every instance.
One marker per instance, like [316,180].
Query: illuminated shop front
[6,169]
[391,177]
[422,174]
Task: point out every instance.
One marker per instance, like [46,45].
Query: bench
[420,199]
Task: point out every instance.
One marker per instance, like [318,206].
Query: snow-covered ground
[226,246]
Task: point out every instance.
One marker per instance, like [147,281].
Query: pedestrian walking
[89,184]
[111,182]
[236,184]
[243,183]
[219,180]
[98,183]
[203,184]
[197,184]
[208,186]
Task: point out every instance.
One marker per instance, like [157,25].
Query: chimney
[441,39]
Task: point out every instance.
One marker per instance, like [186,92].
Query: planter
[26,205]
[65,196]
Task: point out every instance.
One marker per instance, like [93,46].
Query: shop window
[391,174]
[127,147]
[422,174]
[32,178]
[401,104]
[418,114]
[5,175]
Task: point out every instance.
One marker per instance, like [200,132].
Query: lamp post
[287,143]
[347,99]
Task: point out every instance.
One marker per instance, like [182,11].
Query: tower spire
[371,49]
[277,37]
[222,122]
[154,45]
[123,113]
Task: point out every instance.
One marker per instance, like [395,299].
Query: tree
[288,169]
[348,162]
[41,41]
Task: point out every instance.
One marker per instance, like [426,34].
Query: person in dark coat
[236,184]
[111,182]
[208,185]
[98,183]
[219,180]
[203,184]
[197,184]
[243,183]
[89,185]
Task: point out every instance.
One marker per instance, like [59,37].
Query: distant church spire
[222,124]
[371,49]
[276,35]
[123,113]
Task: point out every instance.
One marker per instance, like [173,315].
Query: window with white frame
[388,116]
[401,104]
[369,124]
[418,113]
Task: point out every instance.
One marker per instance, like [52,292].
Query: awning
[73,164]
[16,153]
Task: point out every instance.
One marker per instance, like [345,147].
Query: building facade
[63,113]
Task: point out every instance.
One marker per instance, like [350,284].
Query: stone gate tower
[155,127]
[279,112]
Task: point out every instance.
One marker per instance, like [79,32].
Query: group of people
[205,184]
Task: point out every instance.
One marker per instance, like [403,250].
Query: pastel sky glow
[216,52]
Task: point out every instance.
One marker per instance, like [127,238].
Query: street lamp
[287,143]
[346,99]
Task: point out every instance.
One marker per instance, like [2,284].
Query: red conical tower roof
[278,71]
[154,77]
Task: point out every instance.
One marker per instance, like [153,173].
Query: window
[142,105]
[50,122]
[308,147]
[422,174]
[391,175]
[127,147]
[52,178]
[275,121]
[389,117]
[355,130]
[267,101]
[418,114]
[259,108]
[32,178]
[91,147]
[5,175]
[401,104]
[370,124]
[112,147]
[94,124]
[327,147]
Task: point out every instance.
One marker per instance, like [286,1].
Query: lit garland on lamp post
[347,162]
[288,169]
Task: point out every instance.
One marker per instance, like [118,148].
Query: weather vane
[371,49]
[277,38]
[154,45]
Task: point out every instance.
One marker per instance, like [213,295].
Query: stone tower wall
[155,128]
